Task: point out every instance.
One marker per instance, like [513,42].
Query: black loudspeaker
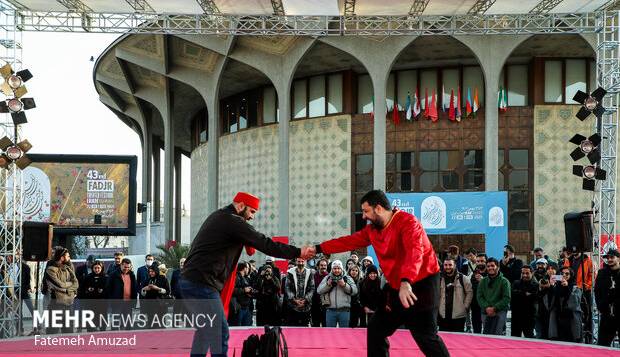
[37,241]
[579,230]
[97,219]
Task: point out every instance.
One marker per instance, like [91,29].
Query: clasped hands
[307,252]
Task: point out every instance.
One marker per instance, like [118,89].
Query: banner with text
[460,213]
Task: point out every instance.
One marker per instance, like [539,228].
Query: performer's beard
[377,223]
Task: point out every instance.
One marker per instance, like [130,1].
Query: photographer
[267,302]
[545,300]
[240,313]
[338,288]
[299,289]
[94,288]
[607,295]
[565,320]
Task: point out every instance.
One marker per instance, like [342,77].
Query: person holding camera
[299,289]
[338,288]
[239,312]
[565,320]
[267,302]
[93,291]
[546,299]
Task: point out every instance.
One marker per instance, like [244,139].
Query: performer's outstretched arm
[359,239]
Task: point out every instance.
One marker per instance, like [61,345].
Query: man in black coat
[607,296]
[212,258]
[523,303]
[122,301]
[510,266]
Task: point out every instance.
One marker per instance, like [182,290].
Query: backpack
[271,344]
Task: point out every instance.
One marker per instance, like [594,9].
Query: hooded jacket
[339,296]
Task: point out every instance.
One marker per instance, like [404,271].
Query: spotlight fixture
[16,107]
[591,103]
[586,147]
[590,174]
[14,153]
[13,86]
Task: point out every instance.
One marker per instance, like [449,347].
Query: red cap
[249,199]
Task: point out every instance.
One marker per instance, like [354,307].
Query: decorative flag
[395,115]
[476,105]
[426,103]
[468,103]
[505,100]
[408,107]
[451,110]
[416,104]
[433,110]
[457,110]
[501,100]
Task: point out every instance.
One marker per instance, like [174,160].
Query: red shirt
[402,247]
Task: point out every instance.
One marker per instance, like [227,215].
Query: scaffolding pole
[11,199]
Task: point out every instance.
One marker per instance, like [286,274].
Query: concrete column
[147,166]
[492,52]
[284,105]
[177,195]
[166,111]
[379,132]
[491,129]
[213,152]
[156,182]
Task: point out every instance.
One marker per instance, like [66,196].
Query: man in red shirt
[411,269]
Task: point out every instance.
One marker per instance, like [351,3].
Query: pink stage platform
[322,342]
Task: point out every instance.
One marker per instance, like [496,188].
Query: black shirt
[215,250]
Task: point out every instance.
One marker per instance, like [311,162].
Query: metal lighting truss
[608,77]
[11,182]
[219,24]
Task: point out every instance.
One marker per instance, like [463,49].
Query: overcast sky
[69,118]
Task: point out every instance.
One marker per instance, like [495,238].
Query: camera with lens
[336,278]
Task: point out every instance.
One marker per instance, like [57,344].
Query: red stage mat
[323,342]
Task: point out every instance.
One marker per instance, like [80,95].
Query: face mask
[149,262]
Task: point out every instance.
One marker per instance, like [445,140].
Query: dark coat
[25,283]
[142,275]
[115,286]
[94,286]
[161,282]
[524,298]
[371,295]
[607,291]
[217,247]
[512,270]
[174,284]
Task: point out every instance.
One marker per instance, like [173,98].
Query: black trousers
[420,320]
[609,326]
[452,325]
[476,317]
[522,323]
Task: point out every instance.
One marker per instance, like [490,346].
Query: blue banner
[459,213]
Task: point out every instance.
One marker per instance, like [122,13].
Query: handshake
[307,252]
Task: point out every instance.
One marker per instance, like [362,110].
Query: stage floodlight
[14,82]
[19,118]
[5,142]
[15,105]
[586,147]
[591,103]
[4,162]
[24,145]
[13,153]
[590,174]
[23,162]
